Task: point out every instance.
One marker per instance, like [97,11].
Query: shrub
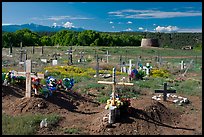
[159,73]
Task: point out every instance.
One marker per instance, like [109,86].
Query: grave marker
[44,60]
[82,59]
[42,50]
[54,62]
[97,66]
[147,68]
[107,55]
[21,45]
[33,49]
[138,61]
[112,114]
[70,56]
[165,91]
[130,67]
[28,76]
[182,65]
[114,83]
[188,67]
[10,49]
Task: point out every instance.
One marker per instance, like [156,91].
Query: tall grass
[26,124]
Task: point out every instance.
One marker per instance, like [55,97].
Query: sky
[108,16]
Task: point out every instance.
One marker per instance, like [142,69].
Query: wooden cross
[107,55]
[130,67]
[165,91]
[28,76]
[69,52]
[82,59]
[97,66]
[42,50]
[21,54]
[10,49]
[33,49]
[114,83]
[138,62]
[188,67]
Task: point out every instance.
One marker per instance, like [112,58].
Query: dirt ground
[145,116]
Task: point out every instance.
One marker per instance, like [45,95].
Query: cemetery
[103,90]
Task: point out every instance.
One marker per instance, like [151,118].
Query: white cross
[147,68]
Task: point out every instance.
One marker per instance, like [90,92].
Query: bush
[159,73]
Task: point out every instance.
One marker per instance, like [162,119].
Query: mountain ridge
[37,28]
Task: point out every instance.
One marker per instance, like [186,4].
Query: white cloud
[141,28]
[6,24]
[120,23]
[68,25]
[166,29]
[58,18]
[54,24]
[190,30]
[129,22]
[145,14]
[113,27]
[110,22]
[128,29]
[154,24]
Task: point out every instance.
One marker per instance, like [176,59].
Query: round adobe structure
[149,43]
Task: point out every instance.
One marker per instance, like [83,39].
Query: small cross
[165,91]
[114,83]
[107,55]
[182,65]
[70,53]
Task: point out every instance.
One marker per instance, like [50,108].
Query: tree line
[94,38]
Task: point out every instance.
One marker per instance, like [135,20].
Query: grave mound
[159,112]
[137,121]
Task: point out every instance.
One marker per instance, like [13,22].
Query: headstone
[44,60]
[54,62]
[165,91]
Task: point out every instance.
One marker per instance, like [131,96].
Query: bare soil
[145,116]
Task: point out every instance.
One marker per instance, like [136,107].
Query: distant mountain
[37,28]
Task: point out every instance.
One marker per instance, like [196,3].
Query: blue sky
[108,16]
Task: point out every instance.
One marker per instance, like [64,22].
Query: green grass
[190,87]
[26,124]
[71,131]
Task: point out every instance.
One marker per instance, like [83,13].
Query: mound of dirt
[137,121]
[158,112]
[15,103]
